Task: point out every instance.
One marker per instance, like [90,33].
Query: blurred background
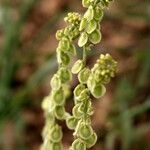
[27,62]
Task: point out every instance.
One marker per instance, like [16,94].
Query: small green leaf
[83,39]
[55,82]
[95,37]
[98,91]
[91,26]
[78,65]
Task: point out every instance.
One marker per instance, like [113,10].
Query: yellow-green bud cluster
[73,18]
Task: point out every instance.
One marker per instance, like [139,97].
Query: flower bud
[78,65]
[95,37]
[83,39]
[86,3]
[55,82]
[78,145]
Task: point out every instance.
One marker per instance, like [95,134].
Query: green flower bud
[98,13]
[76,113]
[78,90]
[56,134]
[59,34]
[85,131]
[83,39]
[95,36]
[64,44]
[64,74]
[63,58]
[71,122]
[89,14]
[55,82]
[86,3]
[58,97]
[98,91]
[91,141]
[59,112]
[78,65]
[84,75]
[78,145]
[56,146]
[91,26]
[83,24]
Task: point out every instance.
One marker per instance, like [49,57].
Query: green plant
[91,81]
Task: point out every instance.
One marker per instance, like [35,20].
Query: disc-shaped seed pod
[98,91]
[64,44]
[72,50]
[55,82]
[83,24]
[56,146]
[71,122]
[58,97]
[91,26]
[64,74]
[86,3]
[95,37]
[63,58]
[89,14]
[76,113]
[59,112]
[56,134]
[91,141]
[78,145]
[78,90]
[83,39]
[84,95]
[85,131]
[91,82]
[78,65]
[98,13]
[84,75]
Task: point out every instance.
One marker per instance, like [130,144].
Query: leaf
[83,39]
